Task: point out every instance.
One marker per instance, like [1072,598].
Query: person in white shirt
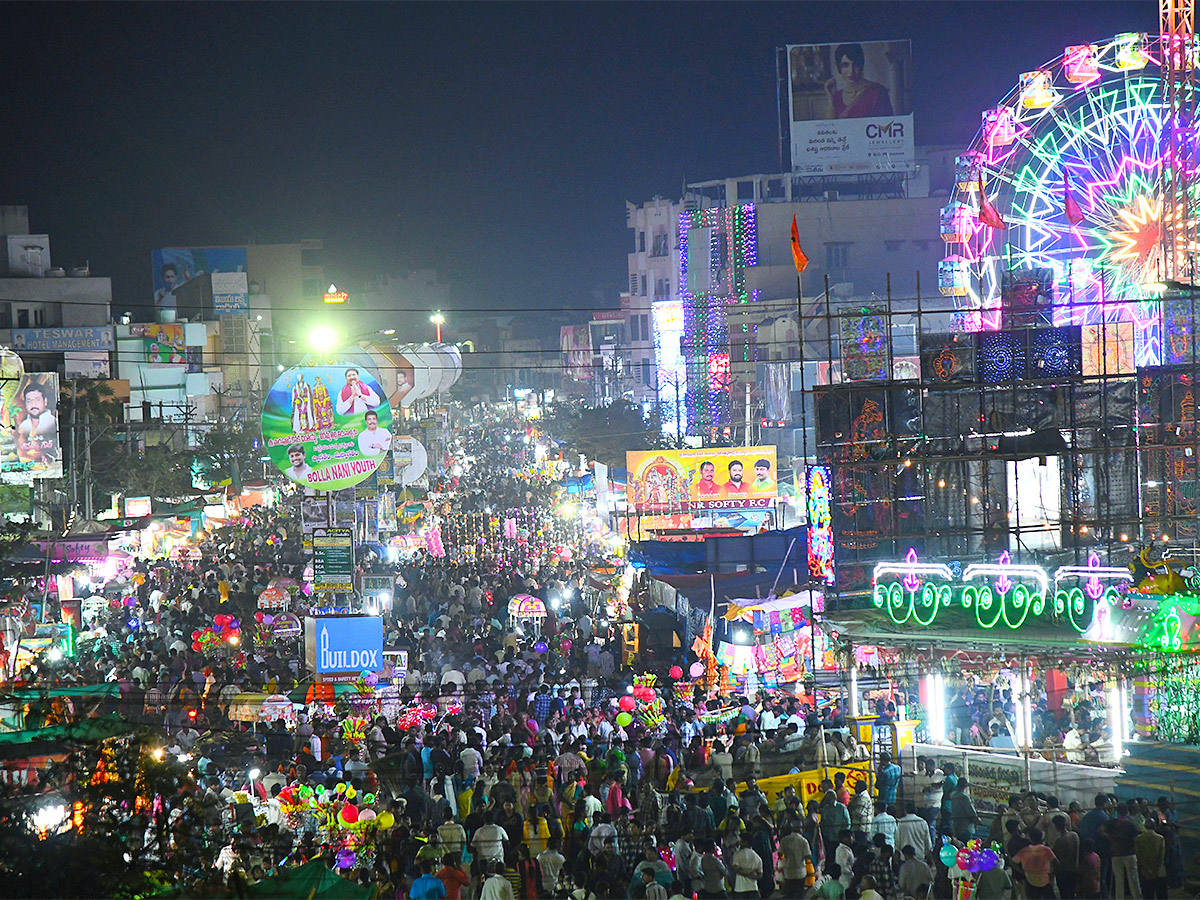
[747,870]
[373,440]
[883,823]
[496,887]
[472,761]
[913,831]
[356,397]
[489,842]
[550,863]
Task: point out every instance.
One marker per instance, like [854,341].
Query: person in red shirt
[707,485]
[451,874]
[1038,862]
[736,487]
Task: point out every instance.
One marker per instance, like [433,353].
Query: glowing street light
[322,339]
[437,319]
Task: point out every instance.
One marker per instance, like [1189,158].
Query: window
[892,246]
[837,254]
[645,327]
[310,257]
[661,247]
[641,242]
[662,288]
[643,284]
[775,189]
[633,282]
[39,317]
[22,318]
[645,371]
[634,333]
[745,190]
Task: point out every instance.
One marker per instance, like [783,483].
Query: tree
[228,450]
[605,433]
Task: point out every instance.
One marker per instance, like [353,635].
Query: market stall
[267,708]
[526,612]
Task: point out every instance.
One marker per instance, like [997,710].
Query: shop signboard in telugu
[138,506]
[679,481]
[230,293]
[333,559]
[54,340]
[849,108]
[29,445]
[340,644]
[327,426]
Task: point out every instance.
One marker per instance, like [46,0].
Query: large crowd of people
[526,784]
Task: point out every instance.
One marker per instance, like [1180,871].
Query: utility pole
[87,467]
[74,449]
[747,438]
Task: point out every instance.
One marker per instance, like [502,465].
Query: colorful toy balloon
[346,858]
[696,669]
[540,647]
[675,672]
[366,815]
[962,859]
[624,719]
[627,703]
[385,820]
[348,814]
[948,855]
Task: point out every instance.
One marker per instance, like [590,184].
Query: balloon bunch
[366,682]
[354,730]
[972,859]
[416,716]
[336,810]
[205,640]
[433,543]
[650,705]
[264,633]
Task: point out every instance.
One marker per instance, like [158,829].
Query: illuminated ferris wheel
[1062,213]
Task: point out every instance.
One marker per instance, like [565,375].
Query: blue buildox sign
[343,644]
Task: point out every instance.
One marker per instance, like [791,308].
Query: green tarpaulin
[309,880]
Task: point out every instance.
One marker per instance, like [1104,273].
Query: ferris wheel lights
[1130,50]
[1037,90]
[1080,64]
[956,223]
[999,127]
[953,276]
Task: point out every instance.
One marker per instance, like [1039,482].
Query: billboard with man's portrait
[327,426]
[29,445]
[179,288]
[849,107]
[681,481]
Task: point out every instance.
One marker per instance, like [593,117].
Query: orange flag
[987,213]
[798,256]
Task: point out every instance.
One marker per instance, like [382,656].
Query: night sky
[496,143]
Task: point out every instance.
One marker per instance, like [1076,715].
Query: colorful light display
[820,525]
[732,247]
[1094,119]
[1004,594]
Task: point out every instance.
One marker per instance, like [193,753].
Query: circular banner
[327,426]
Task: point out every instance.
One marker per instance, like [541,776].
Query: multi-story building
[653,278]
[56,318]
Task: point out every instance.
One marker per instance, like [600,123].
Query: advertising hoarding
[177,271]
[677,481]
[327,426]
[336,644]
[53,340]
[163,345]
[849,108]
[230,293]
[333,559]
[29,446]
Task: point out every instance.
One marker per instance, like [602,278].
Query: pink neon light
[911,582]
[1004,583]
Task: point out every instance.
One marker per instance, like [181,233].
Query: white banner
[853,146]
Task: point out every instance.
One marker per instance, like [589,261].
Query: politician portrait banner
[678,481]
[327,426]
[29,446]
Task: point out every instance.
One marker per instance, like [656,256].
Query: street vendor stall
[255,708]
[526,612]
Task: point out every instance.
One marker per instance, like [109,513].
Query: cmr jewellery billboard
[849,108]
[343,644]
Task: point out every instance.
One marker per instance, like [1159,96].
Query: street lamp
[437,319]
[322,339]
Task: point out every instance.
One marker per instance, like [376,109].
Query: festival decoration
[354,730]
[675,672]
[696,669]
[1073,164]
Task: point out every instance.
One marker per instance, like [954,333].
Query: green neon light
[1013,609]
